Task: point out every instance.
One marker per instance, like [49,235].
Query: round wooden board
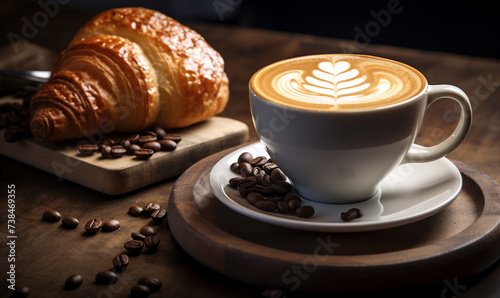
[456,243]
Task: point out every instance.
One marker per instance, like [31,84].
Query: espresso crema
[337,82]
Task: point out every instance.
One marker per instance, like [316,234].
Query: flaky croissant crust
[135,67]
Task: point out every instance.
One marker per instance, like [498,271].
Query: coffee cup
[338,124]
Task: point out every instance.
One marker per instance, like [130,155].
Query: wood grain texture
[120,175]
[458,242]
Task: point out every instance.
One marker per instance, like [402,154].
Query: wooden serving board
[456,243]
[120,175]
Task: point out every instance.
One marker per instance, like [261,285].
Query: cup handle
[418,153]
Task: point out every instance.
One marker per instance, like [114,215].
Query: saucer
[410,193]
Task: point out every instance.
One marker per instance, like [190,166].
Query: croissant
[129,69]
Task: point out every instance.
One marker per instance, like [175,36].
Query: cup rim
[346,111]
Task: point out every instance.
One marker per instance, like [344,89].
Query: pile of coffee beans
[143,145]
[145,238]
[265,186]
[15,117]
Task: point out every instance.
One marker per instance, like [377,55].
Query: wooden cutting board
[120,175]
[458,242]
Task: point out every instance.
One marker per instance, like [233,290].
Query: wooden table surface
[45,253]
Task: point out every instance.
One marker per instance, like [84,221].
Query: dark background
[463,27]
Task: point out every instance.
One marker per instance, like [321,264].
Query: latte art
[337,82]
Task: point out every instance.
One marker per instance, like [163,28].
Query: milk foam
[336,82]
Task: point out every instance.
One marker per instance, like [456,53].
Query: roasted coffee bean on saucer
[265,186]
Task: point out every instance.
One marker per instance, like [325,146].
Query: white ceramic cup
[341,157]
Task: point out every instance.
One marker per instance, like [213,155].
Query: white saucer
[411,193]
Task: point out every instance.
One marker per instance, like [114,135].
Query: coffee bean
[351,214]
[153,283]
[155,146]
[20,292]
[73,281]
[118,151]
[263,190]
[147,138]
[135,210]
[167,145]
[125,143]
[304,211]
[294,204]
[108,142]
[285,185]
[143,154]
[277,175]
[160,132]
[110,225]
[245,191]
[235,181]
[88,149]
[245,169]
[138,236]
[254,197]
[245,157]
[268,167]
[70,222]
[106,278]
[152,242]
[258,161]
[258,172]
[248,182]
[134,139]
[132,148]
[139,291]
[151,207]
[235,167]
[266,206]
[173,137]
[51,215]
[282,207]
[148,132]
[291,196]
[275,199]
[264,180]
[120,261]
[105,151]
[93,226]
[159,215]
[134,246]
[148,231]
[277,190]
